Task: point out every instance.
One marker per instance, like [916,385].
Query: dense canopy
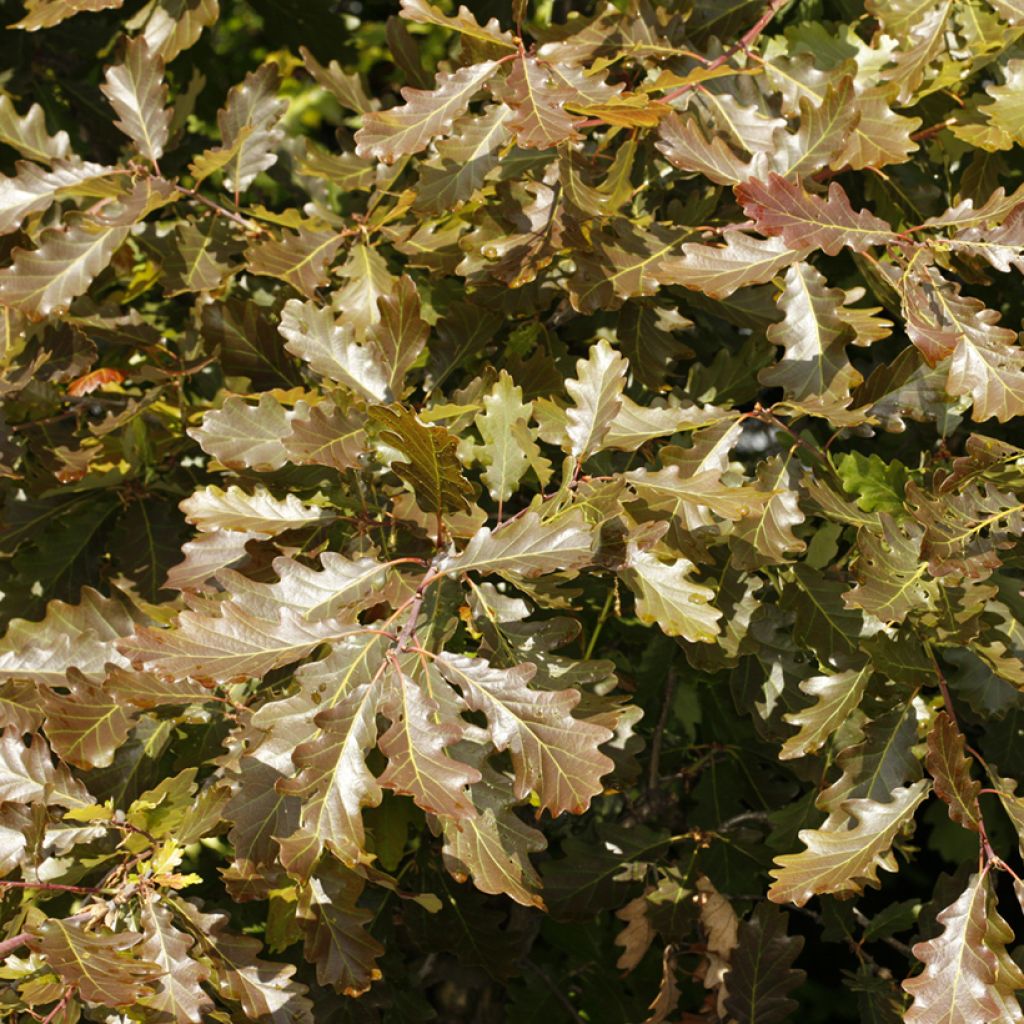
[512,513]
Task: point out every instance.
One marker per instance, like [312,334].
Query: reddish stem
[746,41]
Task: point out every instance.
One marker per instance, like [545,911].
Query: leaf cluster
[511,513]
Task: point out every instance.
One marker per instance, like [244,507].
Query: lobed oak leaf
[401,131]
[235,645]
[822,135]
[719,270]
[721,926]
[47,13]
[400,334]
[836,697]
[844,860]
[340,583]
[950,767]
[243,436]
[175,25]
[369,280]
[336,939]
[97,964]
[464,160]
[200,259]
[249,344]
[761,972]
[34,190]
[86,725]
[28,135]
[554,754]
[685,146]
[415,745]
[880,136]
[782,207]
[959,980]
[43,280]
[27,774]
[463,22]
[625,264]
[345,87]
[249,132]
[1006,112]
[892,577]
[965,533]
[136,90]
[330,348]
[596,396]
[527,546]
[258,513]
[509,447]
[988,365]
[433,470]
[537,98]
[814,365]
[300,258]
[635,424]
[493,848]
[666,595]
[327,436]
[692,498]
[206,556]
[766,534]
[334,782]
[263,988]
[178,994]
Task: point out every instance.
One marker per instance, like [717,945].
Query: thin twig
[659,731]
[746,41]
[86,890]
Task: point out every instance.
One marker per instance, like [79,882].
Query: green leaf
[509,446]
[667,596]
[761,974]
[878,485]
[432,470]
